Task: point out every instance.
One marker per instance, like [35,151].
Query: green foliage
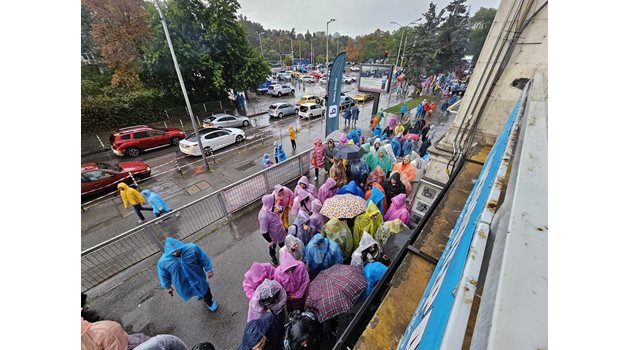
[422,53]
[287,60]
[413,103]
[480,25]
[320,59]
[453,36]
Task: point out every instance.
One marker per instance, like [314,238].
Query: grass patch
[410,104]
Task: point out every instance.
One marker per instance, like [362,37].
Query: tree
[287,60]
[352,52]
[453,36]
[273,55]
[320,59]
[422,53]
[480,25]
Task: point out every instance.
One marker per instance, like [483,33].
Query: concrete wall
[529,55]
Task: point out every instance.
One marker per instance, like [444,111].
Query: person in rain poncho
[158,204]
[302,228]
[398,209]
[264,333]
[403,109]
[358,134]
[415,129]
[107,335]
[295,246]
[351,136]
[377,175]
[317,219]
[306,186]
[271,225]
[399,130]
[284,200]
[373,272]
[387,148]
[382,160]
[131,196]
[351,188]
[162,342]
[329,155]
[393,187]
[186,267]
[338,172]
[388,229]
[429,134]
[280,155]
[327,190]
[318,156]
[339,232]
[275,151]
[269,296]
[293,276]
[392,124]
[368,251]
[265,162]
[256,274]
[347,114]
[292,136]
[343,139]
[355,115]
[320,254]
[406,168]
[376,194]
[376,146]
[367,154]
[302,202]
[396,147]
[377,131]
[369,221]
[407,147]
[358,171]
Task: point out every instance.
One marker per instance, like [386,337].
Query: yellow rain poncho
[129,195]
[369,222]
[339,232]
[387,229]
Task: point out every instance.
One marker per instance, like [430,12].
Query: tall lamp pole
[401,40]
[260,41]
[327,23]
[181,83]
[312,62]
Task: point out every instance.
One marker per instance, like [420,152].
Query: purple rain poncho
[397,209]
[256,274]
[271,222]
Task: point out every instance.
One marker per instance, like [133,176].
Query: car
[283,76]
[310,110]
[309,79]
[104,177]
[316,75]
[309,99]
[355,69]
[280,109]
[347,79]
[131,141]
[212,139]
[346,102]
[294,74]
[363,97]
[323,80]
[279,90]
[223,120]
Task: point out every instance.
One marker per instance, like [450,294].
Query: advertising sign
[335,79]
[375,77]
[427,326]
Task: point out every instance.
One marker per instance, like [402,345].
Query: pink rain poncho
[302,196]
[294,283]
[284,199]
[343,139]
[295,246]
[273,297]
[327,190]
[398,210]
[270,221]
[317,219]
[306,186]
[298,228]
[392,123]
[256,274]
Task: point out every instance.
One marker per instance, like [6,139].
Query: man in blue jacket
[186,266]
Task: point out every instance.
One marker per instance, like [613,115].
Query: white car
[323,80]
[355,69]
[309,79]
[223,120]
[347,79]
[279,90]
[212,139]
[310,110]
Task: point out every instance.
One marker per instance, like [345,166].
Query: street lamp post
[181,83]
[401,40]
[312,62]
[260,41]
[327,23]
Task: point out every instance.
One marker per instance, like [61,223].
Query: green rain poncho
[383,160]
[387,229]
[367,155]
[339,232]
[369,222]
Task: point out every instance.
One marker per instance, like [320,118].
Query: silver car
[280,109]
[224,120]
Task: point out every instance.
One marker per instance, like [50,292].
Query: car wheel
[207,150]
[175,141]
[239,138]
[132,152]
[245,122]
[310,115]
[279,94]
[280,115]
[292,92]
[296,111]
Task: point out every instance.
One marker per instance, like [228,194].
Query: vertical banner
[335,77]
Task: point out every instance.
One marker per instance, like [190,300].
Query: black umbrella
[395,243]
[348,152]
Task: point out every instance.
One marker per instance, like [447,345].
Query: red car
[315,75]
[100,177]
[130,141]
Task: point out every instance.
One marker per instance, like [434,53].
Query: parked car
[309,99]
[310,110]
[283,76]
[211,140]
[323,80]
[131,141]
[103,177]
[279,90]
[224,120]
[363,97]
[309,79]
[346,102]
[316,74]
[347,79]
[355,68]
[280,109]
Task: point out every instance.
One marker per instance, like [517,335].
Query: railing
[115,255]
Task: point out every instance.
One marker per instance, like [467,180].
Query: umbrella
[343,206]
[335,290]
[395,243]
[348,152]
[413,136]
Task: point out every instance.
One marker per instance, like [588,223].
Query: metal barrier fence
[111,257]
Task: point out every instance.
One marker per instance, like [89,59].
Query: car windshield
[210,119]
[303,109]
[193,137]
[108,166]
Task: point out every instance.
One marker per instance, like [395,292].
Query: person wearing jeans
[131,196]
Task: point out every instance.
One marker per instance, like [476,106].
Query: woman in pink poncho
[343,139]
[256,274]
[318,155]
[397,209]
[392,124]
[293,277]
[284,200]
[269,296]
[306,186]
[271,226]
[328,189]
[303,201]
[316,219]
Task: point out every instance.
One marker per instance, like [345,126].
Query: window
[222,133]
[211,136]
[141,135]
[108,166]
[314,107]
[155,133]
[125,137]
[96,175]
[229,119]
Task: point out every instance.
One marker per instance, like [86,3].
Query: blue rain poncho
[373,272]
[157,203]
[280,154]
[186,273]
[358,170]
[321,253]
[377,197]
[352,188]
[407,147]
[377,131]
[396,146]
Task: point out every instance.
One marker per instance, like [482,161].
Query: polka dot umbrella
[343,206]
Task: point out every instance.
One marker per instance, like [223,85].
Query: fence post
[165,126]
[133,179]
[182,124]
[220,105]
[167,116]
[300,165]
[266,181]
[150,230]
[179,170]
[101,142]
[204,107]
[226,213]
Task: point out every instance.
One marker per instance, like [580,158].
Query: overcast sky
[353,18]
